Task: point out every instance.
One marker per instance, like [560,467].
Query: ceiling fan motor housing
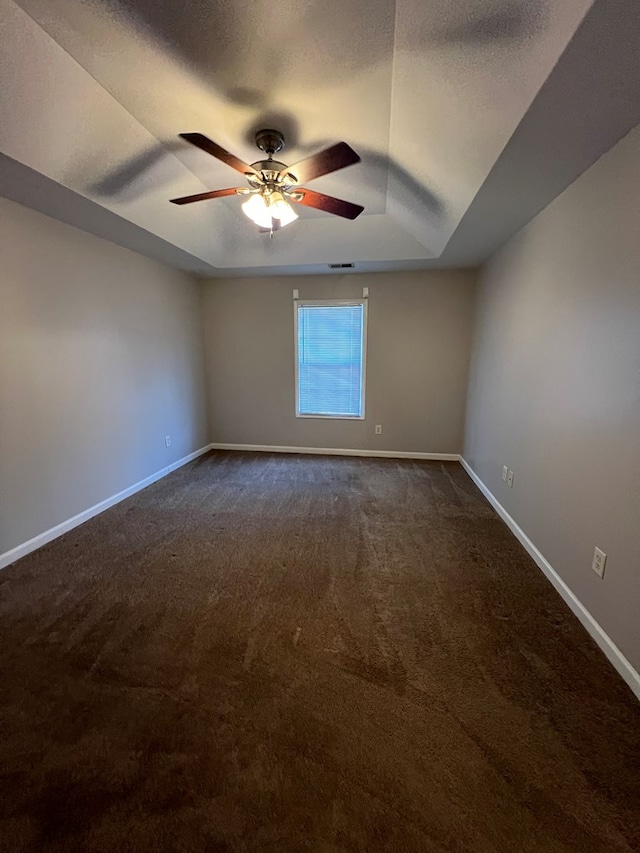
[269,168]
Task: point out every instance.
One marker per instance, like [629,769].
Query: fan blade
[329,160]
[203,142]
[328,203]
[188,199]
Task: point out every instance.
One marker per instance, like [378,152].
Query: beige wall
[101,356]
[554,389]
[419,327]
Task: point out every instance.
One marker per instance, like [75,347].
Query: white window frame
[331,303]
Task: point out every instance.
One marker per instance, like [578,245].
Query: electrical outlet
[167,440]
[599,562]
[378,429]
[505,471]
[510,477]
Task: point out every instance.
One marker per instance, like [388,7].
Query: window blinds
[330,359]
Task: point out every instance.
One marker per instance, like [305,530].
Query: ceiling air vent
[341,266]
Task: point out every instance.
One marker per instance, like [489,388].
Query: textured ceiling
[469,116]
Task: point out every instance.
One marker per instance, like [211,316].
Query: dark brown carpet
[280,653]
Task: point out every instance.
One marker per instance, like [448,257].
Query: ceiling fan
[274,185]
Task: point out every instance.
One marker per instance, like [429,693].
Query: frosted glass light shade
[260,209]
[282,210]
[257,211]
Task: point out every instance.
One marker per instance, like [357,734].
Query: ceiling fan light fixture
[261,209]
[282,210]
[255,207]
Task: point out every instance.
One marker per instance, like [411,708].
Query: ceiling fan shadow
[409,192]
[121,182]
[286,123]
[130,180]
[237,46]
[515,22]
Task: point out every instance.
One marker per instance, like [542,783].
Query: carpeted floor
[285,653]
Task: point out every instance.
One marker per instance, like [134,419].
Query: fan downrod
[269,141]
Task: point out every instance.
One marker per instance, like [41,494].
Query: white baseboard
[333,451]
[42,538]
[613,653]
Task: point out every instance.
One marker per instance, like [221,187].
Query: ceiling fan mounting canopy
[270,141]
[274,185]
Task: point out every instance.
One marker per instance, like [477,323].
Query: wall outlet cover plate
[599,562]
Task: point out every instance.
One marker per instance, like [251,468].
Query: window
[330,359]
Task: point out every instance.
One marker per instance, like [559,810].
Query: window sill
[333,417]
